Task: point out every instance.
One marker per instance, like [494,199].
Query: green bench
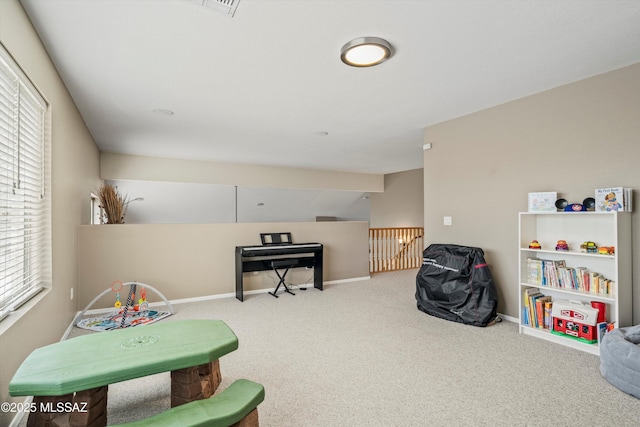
[235,406]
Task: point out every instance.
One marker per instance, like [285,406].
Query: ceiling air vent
[225,7]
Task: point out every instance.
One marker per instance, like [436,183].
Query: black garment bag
[455,283]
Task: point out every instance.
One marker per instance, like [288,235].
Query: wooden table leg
[89,408]
[46,410]
[210,378]
[249,420]
[194,383]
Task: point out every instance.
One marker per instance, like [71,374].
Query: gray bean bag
[620,359]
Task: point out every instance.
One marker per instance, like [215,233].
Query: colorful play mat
[113,320]
[130,311]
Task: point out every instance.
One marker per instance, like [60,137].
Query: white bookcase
[603,228]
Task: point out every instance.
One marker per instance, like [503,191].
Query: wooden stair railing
[398,248]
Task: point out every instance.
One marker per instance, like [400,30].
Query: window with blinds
[24,213]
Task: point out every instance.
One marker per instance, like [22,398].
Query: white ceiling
[255,88]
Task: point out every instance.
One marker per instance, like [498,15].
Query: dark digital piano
[278,253]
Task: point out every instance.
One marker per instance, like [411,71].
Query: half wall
[197,260]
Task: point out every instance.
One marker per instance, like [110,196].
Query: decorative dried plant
[113,204]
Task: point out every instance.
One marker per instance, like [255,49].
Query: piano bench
[237,405]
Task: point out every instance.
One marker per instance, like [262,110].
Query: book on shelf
[526,317]
[548,318]
[556,274]
[614,199]
[533,271]
[582,277]
[540,311]
[534,309]
[601,330]
[529,306]
[543,201]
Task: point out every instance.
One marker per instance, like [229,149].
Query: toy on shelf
[562,245]
[535,245]
[606,250]
[589,247]
[587,204]
[575,319]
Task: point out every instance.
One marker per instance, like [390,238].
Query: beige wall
[74,171]
[572,139]
[121,166]
[197,260]
[402,203]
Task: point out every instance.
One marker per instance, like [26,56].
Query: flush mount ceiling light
[365,52]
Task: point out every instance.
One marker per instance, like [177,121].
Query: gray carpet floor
[361,354]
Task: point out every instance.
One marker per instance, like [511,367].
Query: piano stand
[286,265]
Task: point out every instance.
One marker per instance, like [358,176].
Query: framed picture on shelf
[543,201]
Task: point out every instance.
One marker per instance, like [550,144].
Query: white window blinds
[24,213]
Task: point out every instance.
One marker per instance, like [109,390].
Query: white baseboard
[264,290]
[217,296]
[354,279]
[509,318]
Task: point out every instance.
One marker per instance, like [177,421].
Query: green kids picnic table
[69,379]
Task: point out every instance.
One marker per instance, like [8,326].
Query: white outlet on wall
[447,220]
[71,294]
